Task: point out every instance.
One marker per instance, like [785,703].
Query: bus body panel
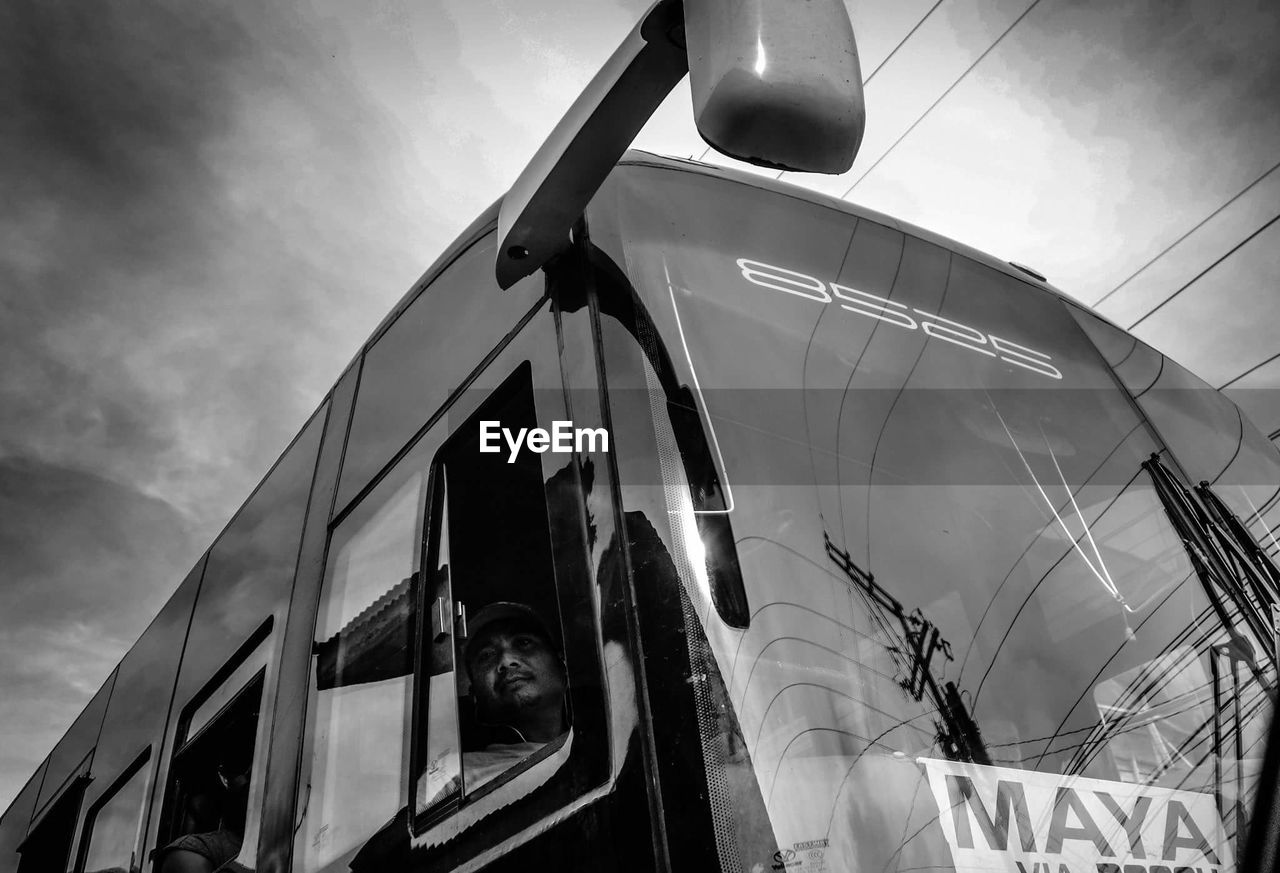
[17,818]
[708,752]
[982,421]
[288,723]
[70,756]
[138,710]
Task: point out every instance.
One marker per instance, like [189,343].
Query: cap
[504,610]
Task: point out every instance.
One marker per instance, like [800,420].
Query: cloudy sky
[207,206]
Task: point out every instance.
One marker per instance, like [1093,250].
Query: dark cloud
[161,163]
[78,534]
[106,112]
[110,97]
[198,228]
[87,563]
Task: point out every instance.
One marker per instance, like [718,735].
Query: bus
[678,519]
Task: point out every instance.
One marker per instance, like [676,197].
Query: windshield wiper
[1213,567]
[1249,558]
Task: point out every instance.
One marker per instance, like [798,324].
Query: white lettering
[563,438]
[873,306]
[588,435]
[1036,362]
[884,309]
[781,279]
[562,433]
[514,443]
[488,431]
[960,334]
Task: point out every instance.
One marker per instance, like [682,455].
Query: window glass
[70,750]
[245,591]
[1209,436]
[404,753]
[363,668]
[507,700]
[972,603]
[14,821]
[426,353]
[440,776]
[48,845]
[227,690]
[211,780]
[114,826]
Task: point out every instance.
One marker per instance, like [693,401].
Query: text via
[561,439]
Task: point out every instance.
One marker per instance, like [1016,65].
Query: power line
[879,66]
[1235,248]
[888,57]
[1171,245]
[905,134]
[910,33]
[1250,370]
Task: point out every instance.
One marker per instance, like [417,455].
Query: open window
[406,755]
[494,690]
[48,846]
[211,795]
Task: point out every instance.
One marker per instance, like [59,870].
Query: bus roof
[642,158]
[488,220]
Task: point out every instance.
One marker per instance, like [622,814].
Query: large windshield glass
[992,622]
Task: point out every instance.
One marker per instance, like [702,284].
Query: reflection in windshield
[973,594]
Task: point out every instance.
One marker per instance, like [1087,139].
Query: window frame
[109,794]
[535,337]
[250,664]
[586,766]
[67,802]
[422,823]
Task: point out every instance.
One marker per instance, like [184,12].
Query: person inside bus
[215,811]
[518,683]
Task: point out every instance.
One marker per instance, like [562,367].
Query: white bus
[682,520]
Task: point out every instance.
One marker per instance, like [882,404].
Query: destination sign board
[1022,821]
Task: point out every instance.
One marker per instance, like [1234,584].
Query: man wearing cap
[518,683]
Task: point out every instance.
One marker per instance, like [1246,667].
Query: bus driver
[518,683]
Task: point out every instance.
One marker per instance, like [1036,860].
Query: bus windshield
[995,618]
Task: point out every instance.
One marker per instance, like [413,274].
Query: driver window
[456,687]
[494,701]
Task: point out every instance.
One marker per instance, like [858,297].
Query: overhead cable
[907,132]
[1171,245]
[1255,367]
[1235,248]
[888,57]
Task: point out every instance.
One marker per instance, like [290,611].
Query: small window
[207,801]
[113,826]
[48,846]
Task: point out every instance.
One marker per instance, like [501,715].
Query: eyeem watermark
[562,438]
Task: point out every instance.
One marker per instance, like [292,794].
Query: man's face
[514,672]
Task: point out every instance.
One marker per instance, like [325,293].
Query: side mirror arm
[566,172]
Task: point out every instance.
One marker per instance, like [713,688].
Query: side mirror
[776,82]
